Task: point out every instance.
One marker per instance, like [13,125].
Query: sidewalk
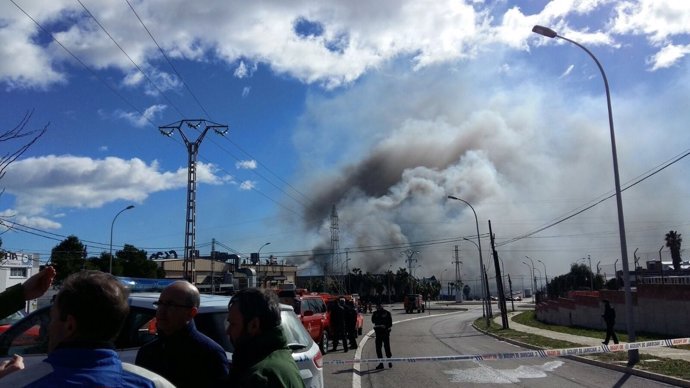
[677,354]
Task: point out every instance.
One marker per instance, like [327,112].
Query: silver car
[28,337]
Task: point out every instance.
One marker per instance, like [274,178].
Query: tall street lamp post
[534,278]
[633,355]
[258,256]
[112,224]
[531,269]
[546,277]
[485,286]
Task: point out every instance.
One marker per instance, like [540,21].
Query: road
[445,333]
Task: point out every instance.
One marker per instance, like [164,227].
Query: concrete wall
[660,309]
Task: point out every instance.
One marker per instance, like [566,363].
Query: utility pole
[458,280]
[190,252]
[409,260]
[512,298]
[499,282]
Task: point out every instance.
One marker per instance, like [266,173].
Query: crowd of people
[91,307]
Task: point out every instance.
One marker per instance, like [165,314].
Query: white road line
[356,379]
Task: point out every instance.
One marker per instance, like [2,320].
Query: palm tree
[673,242]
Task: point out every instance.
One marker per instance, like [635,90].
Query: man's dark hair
[257,303]
[98,303]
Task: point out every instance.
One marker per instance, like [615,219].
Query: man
[383,322]
[351,323]
[337,321]
[181,353]
[610,320]
[261,357]
[87,315]
[14,298]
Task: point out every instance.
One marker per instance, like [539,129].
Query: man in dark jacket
[181,353]
[351,323]
[87,315]
[261,357]
[383,322]
[610,320]
[337,321]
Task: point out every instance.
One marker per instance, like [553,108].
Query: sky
[381,109]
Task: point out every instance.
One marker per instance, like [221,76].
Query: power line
[131,60]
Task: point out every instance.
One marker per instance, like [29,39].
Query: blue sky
[381,109]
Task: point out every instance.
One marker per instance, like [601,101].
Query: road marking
[541,353]
[356,379]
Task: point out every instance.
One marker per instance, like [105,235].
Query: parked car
[413,302]
[139,329]
[311,310]
[10,320]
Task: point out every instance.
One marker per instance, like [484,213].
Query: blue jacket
[83,365]
[187,358]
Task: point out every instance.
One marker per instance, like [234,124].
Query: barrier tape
[545,353]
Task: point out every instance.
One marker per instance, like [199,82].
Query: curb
[624,369]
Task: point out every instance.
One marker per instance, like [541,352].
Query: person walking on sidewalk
[610,320]
[383,322]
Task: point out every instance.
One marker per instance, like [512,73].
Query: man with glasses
[181,353]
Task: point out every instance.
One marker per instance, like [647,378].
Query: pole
[546,277]
[481,260]
[112,224]
[258,270]
[499,281]
[633,355]
[534,277]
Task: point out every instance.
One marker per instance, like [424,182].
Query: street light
[546,277]
[633,355]
[591,274]
[485,286]
[534,278]
[258,256]
[112,224]
[532,272]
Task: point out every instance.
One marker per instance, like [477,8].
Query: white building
[15,268]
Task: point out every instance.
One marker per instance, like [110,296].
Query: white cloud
[54,182]
[246,165]
[348,39]
[245,91]
[247,185]
[142,120]
[567,71]
[668,56]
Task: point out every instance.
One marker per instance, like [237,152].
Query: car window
[139,328]
[294,330]
[214,326]
[320,305]
[12,318]
[28,336]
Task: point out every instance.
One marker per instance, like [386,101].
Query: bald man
[181,353]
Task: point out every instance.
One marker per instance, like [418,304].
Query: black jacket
[382,321]
[187,358]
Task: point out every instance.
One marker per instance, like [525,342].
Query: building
[229,269]
[15,268]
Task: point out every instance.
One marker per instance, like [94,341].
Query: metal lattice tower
[190,252]
[336,266]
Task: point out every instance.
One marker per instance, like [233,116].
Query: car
[10,320]
[139,328]
[413,302]
[311,310]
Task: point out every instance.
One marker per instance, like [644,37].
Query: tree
[19,133]
[135,263]
[68,257]
[673,242]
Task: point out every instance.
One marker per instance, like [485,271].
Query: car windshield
[12,318]
[297,338]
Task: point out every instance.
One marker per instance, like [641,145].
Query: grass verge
[660,365]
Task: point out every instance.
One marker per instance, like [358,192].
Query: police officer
[351,323]
[383,322]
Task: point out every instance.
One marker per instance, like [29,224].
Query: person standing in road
[261,358]
[89,311]
[181,353]
[351,323]
[610,320]
[383,323]
[338,324]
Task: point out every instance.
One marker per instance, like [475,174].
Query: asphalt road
[445,333]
